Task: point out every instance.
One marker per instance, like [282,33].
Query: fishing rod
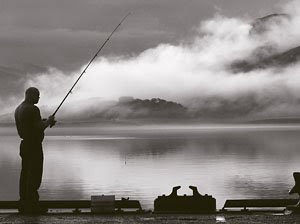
[84,70]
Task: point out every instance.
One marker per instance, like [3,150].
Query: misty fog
[200,73]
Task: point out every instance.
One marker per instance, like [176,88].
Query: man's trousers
[32,171]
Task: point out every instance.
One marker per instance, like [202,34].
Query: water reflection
[145,163]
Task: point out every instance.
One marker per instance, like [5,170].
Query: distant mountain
[130,108]
[263,24]
[127,108]
[216,107]
[267,56]
[16,76]
[283,59]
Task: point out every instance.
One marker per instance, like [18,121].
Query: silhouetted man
[31,128]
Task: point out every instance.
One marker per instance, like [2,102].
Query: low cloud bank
[198,73]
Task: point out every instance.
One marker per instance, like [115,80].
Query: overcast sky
[64,33]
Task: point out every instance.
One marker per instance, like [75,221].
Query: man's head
[32,95]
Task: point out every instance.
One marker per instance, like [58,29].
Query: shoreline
[151,218]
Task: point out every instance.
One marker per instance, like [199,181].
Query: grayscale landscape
[202,93]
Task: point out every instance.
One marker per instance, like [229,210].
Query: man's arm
[42,124]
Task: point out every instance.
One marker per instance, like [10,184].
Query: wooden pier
[119,205]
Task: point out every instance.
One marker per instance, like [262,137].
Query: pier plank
[258,203]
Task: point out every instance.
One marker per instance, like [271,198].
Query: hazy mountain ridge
[130,108]
[267,56]
[278,60]
[127,108]
[217,107]
[262,25]
[15,77]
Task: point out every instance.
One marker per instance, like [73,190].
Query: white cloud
[196,70]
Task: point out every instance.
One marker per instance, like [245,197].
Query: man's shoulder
[27,108]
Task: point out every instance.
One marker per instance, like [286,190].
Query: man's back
[28,118]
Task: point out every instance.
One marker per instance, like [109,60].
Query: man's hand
[51,121]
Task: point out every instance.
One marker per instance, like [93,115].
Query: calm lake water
[238,161]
